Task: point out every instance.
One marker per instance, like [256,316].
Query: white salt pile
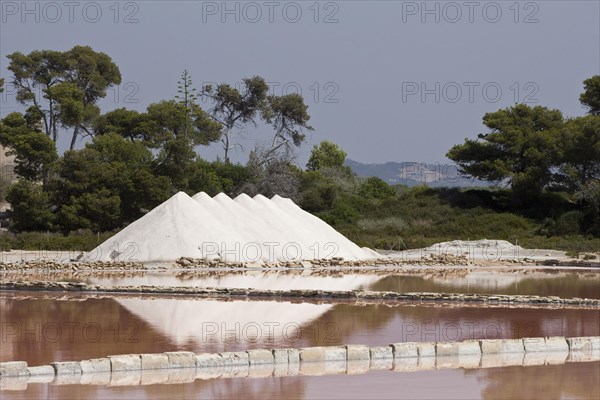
[241,229]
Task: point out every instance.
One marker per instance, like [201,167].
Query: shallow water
[46,328]
[40,328]
[571,380]
[562,284]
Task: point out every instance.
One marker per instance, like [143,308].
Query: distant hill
[416,173]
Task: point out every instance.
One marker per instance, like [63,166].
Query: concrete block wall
[184,366]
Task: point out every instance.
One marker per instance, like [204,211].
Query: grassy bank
[83,240]
[410,218]
[420,217]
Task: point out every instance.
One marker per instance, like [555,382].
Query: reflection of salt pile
[212,324]
[241,229]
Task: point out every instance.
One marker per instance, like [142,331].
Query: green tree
[579,162]
[92,73]
[521,148]
[30,207]
[106,184]
[588,196]
[1,85]
[176,139]
[591,95]
[235,109]
[289,116]
[327,154]
[63,87]
[173,128]
[215,177]
[130,124]
[376,188]
[166,120]
[34,75]
[34,152]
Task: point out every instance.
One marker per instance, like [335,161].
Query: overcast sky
[387,80]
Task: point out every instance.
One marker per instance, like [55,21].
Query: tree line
[548,165]
[538,152]
[134,160]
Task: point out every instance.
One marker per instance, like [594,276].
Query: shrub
[30,206]
[568,223]
[376,188]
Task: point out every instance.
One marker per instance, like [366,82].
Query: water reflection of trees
[571,380]
[234,388]
[341,324]
[118,330]
[382,324]
[565,285]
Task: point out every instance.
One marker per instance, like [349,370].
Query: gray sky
[387,80]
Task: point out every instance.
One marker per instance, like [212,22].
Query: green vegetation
[422,216]
[77,241]
[71,82]
[547,165]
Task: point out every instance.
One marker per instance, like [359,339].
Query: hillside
[415,173]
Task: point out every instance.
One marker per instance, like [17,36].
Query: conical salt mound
[296,240]
[179,227]
[326,241]
[203,198]
[241,229]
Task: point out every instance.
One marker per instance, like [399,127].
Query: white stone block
[534,345]
[335,353]
[381,352]
[404,350]
[41,370]
[312,354]
[154,361]
[125,362]
[557,343]
[260,356]
[209,360]
[357,352]
[513,346]
[235,358]
[426,349]
[181,359]
[13,368]
[66,368]
[95,365]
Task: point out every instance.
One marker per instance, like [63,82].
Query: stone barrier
[185,263]
[199,263]
[184,366]
[324,295]
[13,368]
